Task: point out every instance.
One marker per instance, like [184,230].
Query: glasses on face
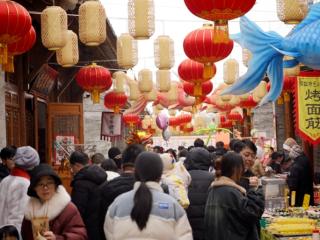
[45,185]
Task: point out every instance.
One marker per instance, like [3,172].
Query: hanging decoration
[292,11]
[234,116]
[189,88]
[260,91]
[145,82]
[163,80]
[141,18]
[127,51]
[92,23]
[17,48]
[68,55]
[164,52]
[152,95]
[15,23]
[246,56]
[131,120]
[192,71]
[230,71]
[248,104]
[173,93]
[134,91]
[200,46]
[94,79]
[119,82]
[162,120]
[115,101]
[54,26]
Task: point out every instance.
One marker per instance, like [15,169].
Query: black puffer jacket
[300,179]
[86,196]
[4,172]
[109,192]
[231,213]
[198,163]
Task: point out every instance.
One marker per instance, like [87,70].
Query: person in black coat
[300,175]
[85,191]
[197,163]
[123,183]
[231,212]
[6,155]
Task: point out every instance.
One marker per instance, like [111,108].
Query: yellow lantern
[119,82]
[127,51]
[134,91]
[54,26]
[141,18]
[295,71]
[163,80]
[152,95]
[230,71]
[145,82]
[246,56]
[173,92]
[68,55]
[260,91]
[164,52]
[292,11]
[92,23]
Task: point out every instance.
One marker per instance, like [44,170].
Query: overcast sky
[174,19]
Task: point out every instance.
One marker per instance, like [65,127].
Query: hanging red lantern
[248,103]
[206,88]
[115,101]
[184,119]
[94,79]
[131,119]
[203,45]
[19,47]
[174,121]
[226,124]
[192,71]
[234,117]
[217,10]
[223,119]
[15,22]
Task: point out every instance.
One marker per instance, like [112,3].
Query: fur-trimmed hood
[225,181]
[53,207]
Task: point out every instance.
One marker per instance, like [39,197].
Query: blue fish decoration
[268,49]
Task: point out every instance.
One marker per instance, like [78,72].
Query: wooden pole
[288,116]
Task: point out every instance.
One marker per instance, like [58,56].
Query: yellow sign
[308,108]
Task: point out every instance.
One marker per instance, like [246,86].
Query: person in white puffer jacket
[13,188]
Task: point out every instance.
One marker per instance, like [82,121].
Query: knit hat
[167,161]
[295,152]
[289,143]
[26,158]
[38,172]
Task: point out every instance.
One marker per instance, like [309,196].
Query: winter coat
[86,196]
[64,218]
[244,181]
[300,179]
[231,212]
[198,190]
[13,197]
[167,219]
[110,191]
[112,175]
[4,172]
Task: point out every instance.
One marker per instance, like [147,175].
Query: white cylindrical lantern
[141,18]
[235,100]
[230,71]
[292,11]
[54,26]
[134,91]
[260,91]
[127,51]
[164,52]
[246,56]
[152,95]
[244,96]
[119,82]
[163,80]
[68,55]
[295,71]
[92,23]
[173,92]
[145,82]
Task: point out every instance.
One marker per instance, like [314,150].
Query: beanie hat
[295,152]
[167,161]
[289,143]
[38,172]
[26,158]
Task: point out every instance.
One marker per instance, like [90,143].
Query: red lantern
[94,79]
[184,119]
[248,103]
[174,121]
[203,45]
[192,71]
[115,101]
[206,88]
[15,22]
[186,129]
[131,119]
[223,119]
[234,117]
[217,10]
[226,124]
[19,47]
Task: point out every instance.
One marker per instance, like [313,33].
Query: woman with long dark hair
[146,212]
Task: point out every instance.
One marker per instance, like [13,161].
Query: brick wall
[2,111]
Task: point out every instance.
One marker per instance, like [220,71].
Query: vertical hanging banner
[308,106]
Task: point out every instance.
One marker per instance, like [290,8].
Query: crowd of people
[200,192]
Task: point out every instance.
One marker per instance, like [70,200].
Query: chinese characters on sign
[110,125]
[308,104]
